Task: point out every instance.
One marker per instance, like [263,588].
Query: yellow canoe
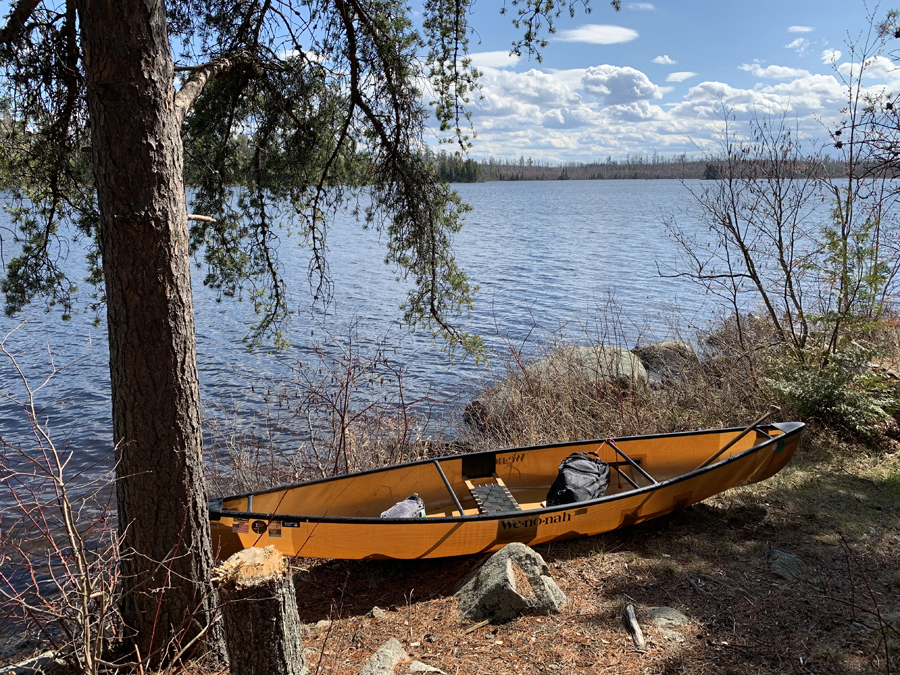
[650,476]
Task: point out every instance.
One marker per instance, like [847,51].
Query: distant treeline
[455,169]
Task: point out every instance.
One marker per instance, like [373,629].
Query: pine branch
[16,24]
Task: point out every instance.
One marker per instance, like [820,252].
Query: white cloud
[505,93]
[617,85]
[773,72]
[288,54]
[599,34]
[800,29]
[664,60]
[499,59]
[805,97]
[640,6]
[582,114]
[568,118]
[830,56]
[877,67]
[553,115]
[800,45]
[639,111]
[570,78]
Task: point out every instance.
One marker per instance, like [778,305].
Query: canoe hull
[322,536]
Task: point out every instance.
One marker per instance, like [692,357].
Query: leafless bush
[58,546]
[345,409]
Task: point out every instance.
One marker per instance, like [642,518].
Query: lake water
[548,256]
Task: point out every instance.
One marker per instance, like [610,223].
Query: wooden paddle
[772,410]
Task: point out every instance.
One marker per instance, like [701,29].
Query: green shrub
[838,389]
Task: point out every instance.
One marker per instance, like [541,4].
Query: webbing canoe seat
[492,496]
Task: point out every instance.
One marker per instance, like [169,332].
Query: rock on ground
[787,565]
[513,581]
[667,619]
[667,360]
[42,664]
[392,659]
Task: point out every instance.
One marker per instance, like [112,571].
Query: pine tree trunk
[259,610]
[138,159]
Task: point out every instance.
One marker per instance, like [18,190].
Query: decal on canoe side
[529,523]
[525,529]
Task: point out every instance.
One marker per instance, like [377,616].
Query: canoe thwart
[492,496]
[622,474]
[771,411]
[449,487]
[631,463]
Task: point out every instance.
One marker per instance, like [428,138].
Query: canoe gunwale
[788,429]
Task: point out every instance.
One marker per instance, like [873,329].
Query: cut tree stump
[259,610]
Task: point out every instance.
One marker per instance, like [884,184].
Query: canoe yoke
[492,495]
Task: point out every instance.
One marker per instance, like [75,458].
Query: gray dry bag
[411,507]
[582,476]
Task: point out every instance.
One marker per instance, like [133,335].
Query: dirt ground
[840,515]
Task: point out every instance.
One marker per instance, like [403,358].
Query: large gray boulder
[666,361]
[563,369]
[513,581]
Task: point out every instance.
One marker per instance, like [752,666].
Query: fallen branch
[750,597]
[629,619]
[474,627]
[696,587]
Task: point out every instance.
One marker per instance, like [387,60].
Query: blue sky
[652,77]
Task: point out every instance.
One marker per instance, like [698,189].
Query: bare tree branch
[200,77]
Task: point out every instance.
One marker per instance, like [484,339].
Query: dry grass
[554,401]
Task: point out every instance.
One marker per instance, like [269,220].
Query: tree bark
[259,609]
[138,161]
